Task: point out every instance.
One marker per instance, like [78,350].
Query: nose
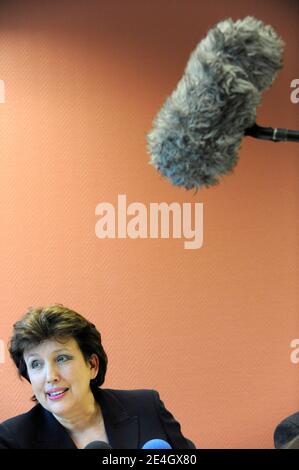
[52,374]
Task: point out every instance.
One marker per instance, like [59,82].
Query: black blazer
[131,417]
[286,430]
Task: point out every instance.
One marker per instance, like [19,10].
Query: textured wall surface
[209,328]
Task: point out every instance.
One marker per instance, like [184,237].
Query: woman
[60,353]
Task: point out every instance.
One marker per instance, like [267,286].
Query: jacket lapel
[122,429]
[50,434]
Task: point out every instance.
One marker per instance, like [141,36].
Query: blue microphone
[156,444]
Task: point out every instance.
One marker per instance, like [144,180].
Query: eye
[63,358]
[35,364]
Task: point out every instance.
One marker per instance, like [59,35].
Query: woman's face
[60,376]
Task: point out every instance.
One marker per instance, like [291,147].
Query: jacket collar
[122,429]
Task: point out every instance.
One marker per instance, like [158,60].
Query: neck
[80,419]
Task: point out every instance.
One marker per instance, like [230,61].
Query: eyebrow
[56,351]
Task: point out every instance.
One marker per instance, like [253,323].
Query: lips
[56,393]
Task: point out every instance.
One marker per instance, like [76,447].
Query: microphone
[197,133]
[98,445]
[156,444]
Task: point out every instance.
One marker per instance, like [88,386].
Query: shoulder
[132,399]
[18,426]
[139,394]
[23,418]
[154,418]
[286,430]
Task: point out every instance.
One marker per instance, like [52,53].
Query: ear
[94,366]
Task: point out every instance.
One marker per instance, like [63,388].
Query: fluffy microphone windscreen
[197,133]
[293,444]
[97,445]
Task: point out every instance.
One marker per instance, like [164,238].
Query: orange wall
[209,328]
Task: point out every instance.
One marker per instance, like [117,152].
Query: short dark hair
[59,323]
